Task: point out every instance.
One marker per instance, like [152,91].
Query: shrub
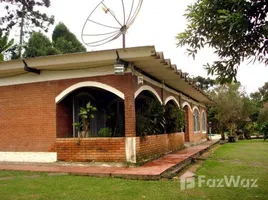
[150,119]
[175,118]
[105,132]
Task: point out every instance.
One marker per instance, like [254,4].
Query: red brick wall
[197,137]
[29,114]
[64,119]
[28,117]
[156,145]
[91,149]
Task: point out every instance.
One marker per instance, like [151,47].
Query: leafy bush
[105,132]
[175,118]
[264,130]
[150,118]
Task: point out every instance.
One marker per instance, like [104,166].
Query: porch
[149,140]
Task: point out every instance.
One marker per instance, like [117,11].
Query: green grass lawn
[247,159]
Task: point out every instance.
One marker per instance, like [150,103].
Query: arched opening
[174,117]
[107,120]
[173,99]
[149,89]
[149,114]
[196,117]
[186,130]
[204,122]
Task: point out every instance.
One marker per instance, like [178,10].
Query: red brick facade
[30,121]
[28,112]
[155,145]
[28,117]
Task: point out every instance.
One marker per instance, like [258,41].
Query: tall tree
[25,13]
[39,45]
[261,96]
[263,115]
[262,123]
[232,106]
[204,83]
[260,99]
[236,29]
[66,41]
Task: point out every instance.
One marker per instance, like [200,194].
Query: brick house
[39,99]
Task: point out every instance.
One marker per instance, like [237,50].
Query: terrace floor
[153,170]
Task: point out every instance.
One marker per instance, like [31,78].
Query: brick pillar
[130,120]
[190,125]
[187,138]
[130,115]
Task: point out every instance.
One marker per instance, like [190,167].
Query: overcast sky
[157,24]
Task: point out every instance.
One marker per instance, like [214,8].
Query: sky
[157,24]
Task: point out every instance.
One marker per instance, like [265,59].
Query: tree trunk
[222,135]
[21,31]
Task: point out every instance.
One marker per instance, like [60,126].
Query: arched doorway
[187,110]
[149,113]
[109,114]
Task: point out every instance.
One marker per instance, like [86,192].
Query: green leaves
[39,45]
[29,10]
[175,118]
[4,44]
[86,113]
[232,106]
[66,41]
[150,118]
[237,30]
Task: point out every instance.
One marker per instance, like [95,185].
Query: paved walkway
[152,170]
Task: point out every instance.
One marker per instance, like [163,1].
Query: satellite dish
[109,20]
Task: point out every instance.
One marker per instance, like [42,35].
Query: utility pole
[21,31]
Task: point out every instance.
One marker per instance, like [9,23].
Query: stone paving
[152,170]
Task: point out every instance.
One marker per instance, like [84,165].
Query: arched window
[196,121]
[204,123]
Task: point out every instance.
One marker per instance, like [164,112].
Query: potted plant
[85,114]
[232,134]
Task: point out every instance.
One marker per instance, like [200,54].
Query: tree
[39,45]
[263,114]
[260,97]
[25,13]
[236,29]
[264,92]
[4,45]
[204,83]
[232,106]
[66,41]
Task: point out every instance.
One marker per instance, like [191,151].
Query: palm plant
[86,114]
[4,45]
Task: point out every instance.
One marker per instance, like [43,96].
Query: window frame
[196,117]
[204,122]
